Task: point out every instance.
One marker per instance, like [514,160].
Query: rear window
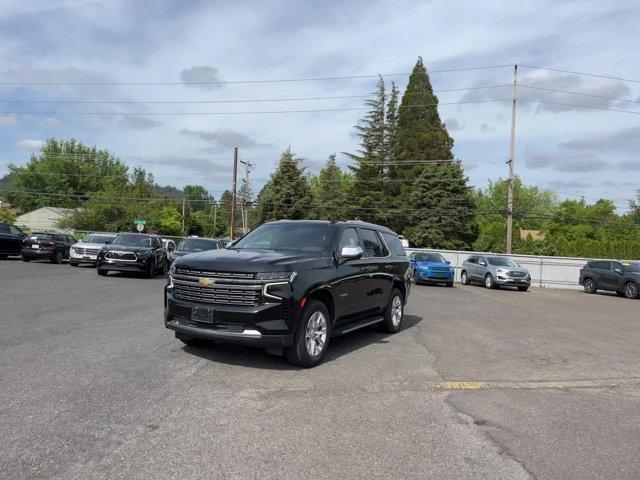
[93,238]
[4,228]
[394,244]
[197,245]
[40,236]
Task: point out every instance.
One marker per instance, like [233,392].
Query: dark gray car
[494,271]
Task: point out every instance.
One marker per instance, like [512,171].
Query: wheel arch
[324,294]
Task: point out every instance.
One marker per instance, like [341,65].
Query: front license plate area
[35,246]
[203,315]
[86,258]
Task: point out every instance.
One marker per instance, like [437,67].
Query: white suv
[87,249]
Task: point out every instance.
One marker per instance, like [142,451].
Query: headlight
[143,253]
[282,276]
[500,270]
[172,268]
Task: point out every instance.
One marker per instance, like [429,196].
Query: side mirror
[171,248]
[350,253]
[618,271]
[484,264]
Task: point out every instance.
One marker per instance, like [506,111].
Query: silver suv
[494,271]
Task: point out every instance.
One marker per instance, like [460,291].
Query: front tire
[24,259]
[450,284]
[464,278]
[152,270]
[631,290]
[311,339]
[489,282]
[58,258]
[394,313]
[73,264]
[102,272]
[589,286]
[191,341]
[523,289]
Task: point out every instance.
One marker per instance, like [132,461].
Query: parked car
[133,252]
[494,271]
[193,245]
[10,240]
[47,245]
[87,249]
[290,286]
[620,277]
[431,267]
[169,244]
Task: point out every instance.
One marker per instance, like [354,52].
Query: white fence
[550,272]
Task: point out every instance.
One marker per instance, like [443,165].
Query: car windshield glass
[40,236]
[97,239]
[631,267]
[502,262]
[289,237]
[196,245]
[132,239]
[430,257]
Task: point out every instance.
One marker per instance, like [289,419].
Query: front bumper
[516,281]
[266,325]
[123,265]
[78,258]
[37,253]
[434,276]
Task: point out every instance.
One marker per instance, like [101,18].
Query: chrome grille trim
[230,275]
[121,256]
[224,291]
[516,274]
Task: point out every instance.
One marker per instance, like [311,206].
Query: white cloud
[10,120]
[203,77]
[52,121]
[625,138]
[28,144]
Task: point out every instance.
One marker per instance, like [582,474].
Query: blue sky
[572,150]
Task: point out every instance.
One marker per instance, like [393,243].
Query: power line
[135,114]
[579,93]
[255,100]
[578,105]
[232,82]
[609,77]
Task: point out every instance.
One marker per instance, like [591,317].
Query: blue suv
[431,267]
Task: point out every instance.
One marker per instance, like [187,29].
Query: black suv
[133,252]
[50,246]
[620,277]
[289,286]
[10,240]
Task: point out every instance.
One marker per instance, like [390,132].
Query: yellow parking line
[462,385]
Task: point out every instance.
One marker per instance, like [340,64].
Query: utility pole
[215,218]
[512,158]
[245,196]
[183,209]
[233,197]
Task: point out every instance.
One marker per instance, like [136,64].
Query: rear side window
[4,228]
[600,265]
[394,244]
[371,243]
[60,238]
[15,230]
[472,259]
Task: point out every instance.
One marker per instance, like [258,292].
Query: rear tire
[3,257]
[394,313]
[631,290]
[102,272]
[311,340]
[26,259]
[464,278]
[590,286]
[489,282]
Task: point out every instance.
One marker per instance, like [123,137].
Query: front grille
[91,251]
[229,289]
[125,256]
[439,269]
[80,251]
[516,274]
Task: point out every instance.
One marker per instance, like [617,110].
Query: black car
[193,245]
[10,240]
[46,245]
[289,286]
[620,277]
[133,252]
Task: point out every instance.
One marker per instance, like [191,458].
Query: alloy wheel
[588,286]
[396,311]
[630,290]
[316,334]
[463,278]
[488,281]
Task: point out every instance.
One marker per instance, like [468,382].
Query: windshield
[97,238]
[429,257]
[196,245]
[132,239]
[502,262]
[289,237]
[631,267]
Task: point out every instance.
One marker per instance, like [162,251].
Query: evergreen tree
[443,209]
[368,170]
[329,194]
[287,195]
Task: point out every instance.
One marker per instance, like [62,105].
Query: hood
[433,264]
[124,248]
[247,261]
[514,269]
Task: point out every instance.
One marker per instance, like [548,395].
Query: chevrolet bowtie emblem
[206,282]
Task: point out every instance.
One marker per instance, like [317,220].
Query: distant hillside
[168,190]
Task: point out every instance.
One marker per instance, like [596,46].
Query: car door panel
[349,287]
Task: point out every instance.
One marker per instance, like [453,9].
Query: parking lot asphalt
[480,383]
